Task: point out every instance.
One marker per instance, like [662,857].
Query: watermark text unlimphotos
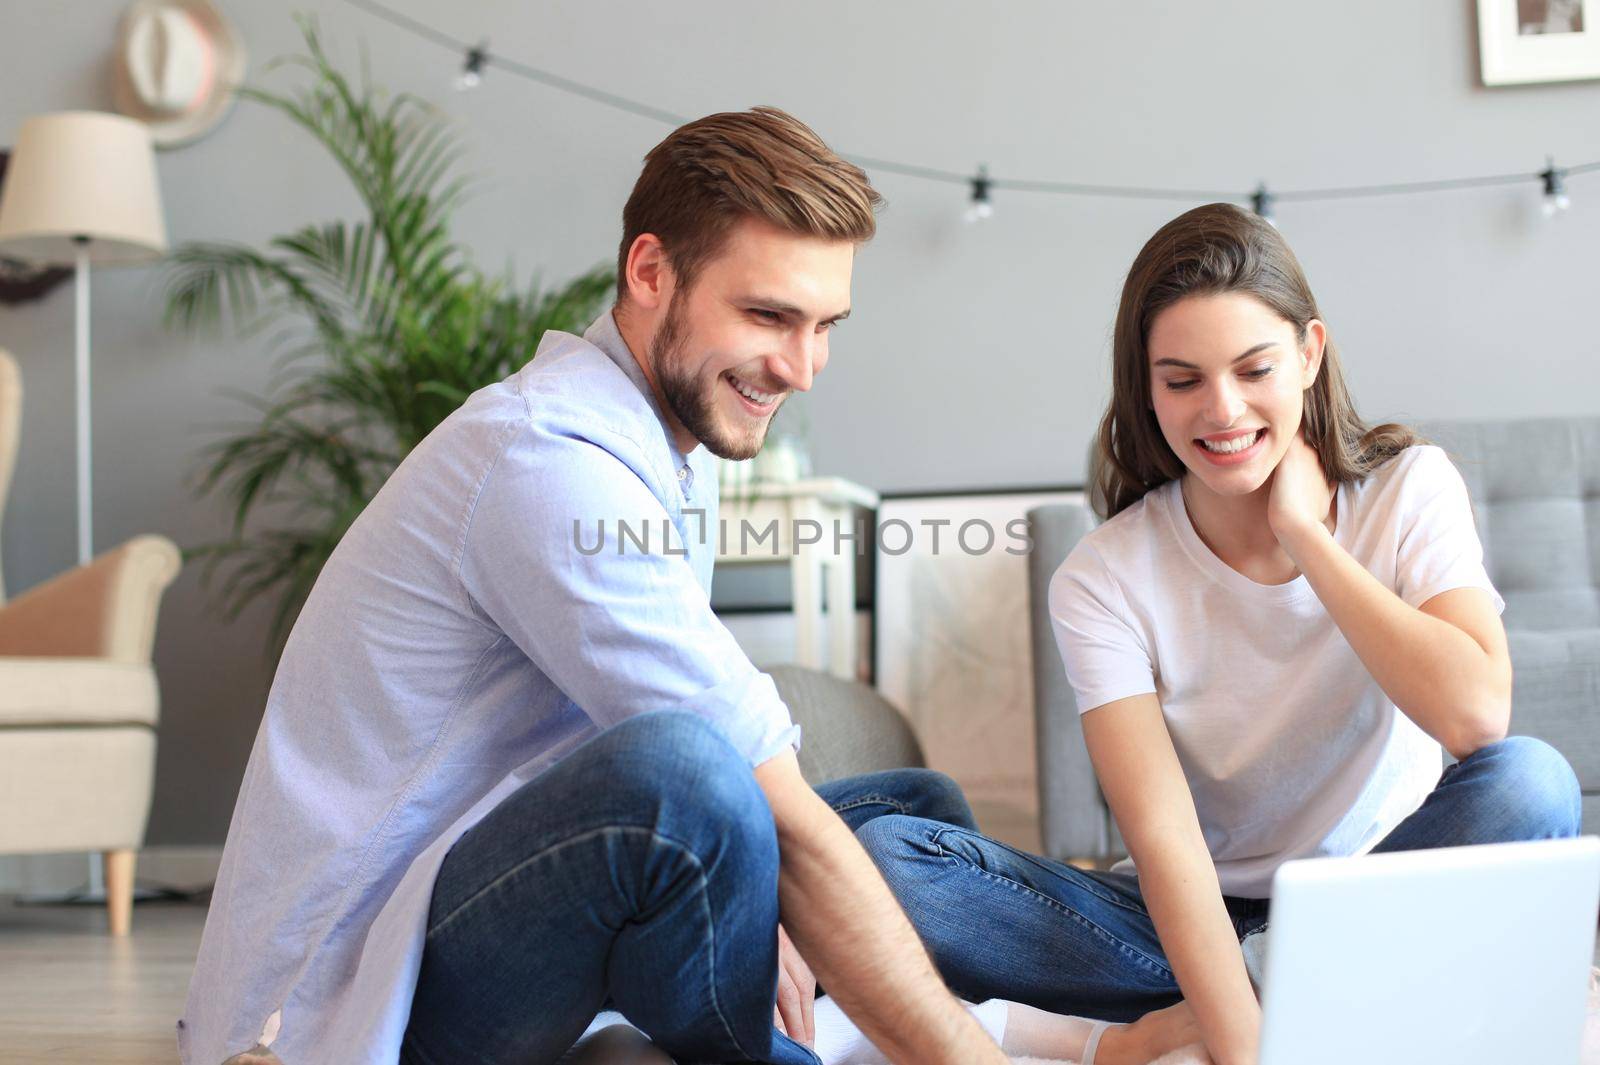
[778,538]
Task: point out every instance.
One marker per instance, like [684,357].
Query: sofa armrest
[59,692]
[1074,820]
[105,609]
[846,727]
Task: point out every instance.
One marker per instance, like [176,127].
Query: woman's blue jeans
[639,873]
[1002,923]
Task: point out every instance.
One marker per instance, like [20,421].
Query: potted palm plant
[392,327]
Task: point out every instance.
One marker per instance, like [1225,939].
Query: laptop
[1461,956]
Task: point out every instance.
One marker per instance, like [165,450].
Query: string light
[1556,199]
[1261,202]
[981,206]
[982,187]
[472,70]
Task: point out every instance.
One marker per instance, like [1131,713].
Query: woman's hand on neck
[1299,499]
[1252,533]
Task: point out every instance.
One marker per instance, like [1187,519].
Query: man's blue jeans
[1001,923]
[639,872]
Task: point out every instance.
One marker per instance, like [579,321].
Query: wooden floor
[69,993]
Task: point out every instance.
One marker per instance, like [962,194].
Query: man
[506,777]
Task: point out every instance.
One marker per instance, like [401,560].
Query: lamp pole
[81,359]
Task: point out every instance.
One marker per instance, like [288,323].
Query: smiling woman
[1224,272]
[1283,620]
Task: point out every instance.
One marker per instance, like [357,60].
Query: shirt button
[683,474]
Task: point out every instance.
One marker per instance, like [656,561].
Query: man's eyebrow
[1237,358]
[786,308]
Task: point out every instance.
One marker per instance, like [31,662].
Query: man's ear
[1311,352]
[648,274]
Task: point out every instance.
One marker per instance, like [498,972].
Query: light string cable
[478,57]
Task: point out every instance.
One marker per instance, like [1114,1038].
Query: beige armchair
[78,697]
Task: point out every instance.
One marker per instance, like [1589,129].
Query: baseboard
[185,868]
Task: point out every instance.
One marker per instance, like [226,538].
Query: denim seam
[656,836]
[873,800]
[1133,952]
[1087,883]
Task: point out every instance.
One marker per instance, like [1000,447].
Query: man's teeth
[1228,447]
[754,396]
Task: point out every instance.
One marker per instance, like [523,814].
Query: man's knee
[680,774]
[1535,793]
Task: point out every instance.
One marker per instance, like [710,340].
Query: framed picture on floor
[1526,41]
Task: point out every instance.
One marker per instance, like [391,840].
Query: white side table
[811,524]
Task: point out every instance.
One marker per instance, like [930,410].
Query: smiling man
[502,782]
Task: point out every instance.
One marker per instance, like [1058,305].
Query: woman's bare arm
[1144,784]
[1445,664]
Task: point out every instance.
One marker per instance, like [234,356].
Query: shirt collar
[604,334]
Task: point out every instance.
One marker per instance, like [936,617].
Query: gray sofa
[846,727]
[1535,487]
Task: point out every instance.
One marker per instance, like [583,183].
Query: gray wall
[976,355]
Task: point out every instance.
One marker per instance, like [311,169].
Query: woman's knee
[939,798]
[1534,790]
[914,792]
[898,844]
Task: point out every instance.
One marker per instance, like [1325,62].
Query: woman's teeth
[1228,447]
[753,395]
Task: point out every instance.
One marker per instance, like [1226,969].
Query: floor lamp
[80,190]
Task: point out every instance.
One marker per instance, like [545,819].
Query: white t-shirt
[1290,748]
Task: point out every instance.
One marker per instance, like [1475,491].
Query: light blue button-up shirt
[465,635]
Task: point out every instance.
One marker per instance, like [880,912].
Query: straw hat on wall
[178,64]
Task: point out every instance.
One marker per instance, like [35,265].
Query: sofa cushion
[76,691]
[1535,488]
[1556,695]
[75,789]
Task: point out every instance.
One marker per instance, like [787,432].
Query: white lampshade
[82,174]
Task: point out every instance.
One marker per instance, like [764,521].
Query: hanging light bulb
[472,70]
[980,207]
[1261,202]
[1556,199]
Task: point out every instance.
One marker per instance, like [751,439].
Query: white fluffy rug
[840,1043]
[1189,1055]
[1196,1054]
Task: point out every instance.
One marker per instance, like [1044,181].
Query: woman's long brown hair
[1211,250]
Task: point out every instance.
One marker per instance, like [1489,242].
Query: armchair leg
[119,890]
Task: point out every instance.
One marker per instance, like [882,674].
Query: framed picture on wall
[1525,41]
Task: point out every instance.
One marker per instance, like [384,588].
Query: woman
[1284,619]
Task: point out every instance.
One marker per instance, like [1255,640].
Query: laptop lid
[1466,955]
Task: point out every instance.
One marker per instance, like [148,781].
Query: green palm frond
[390,328]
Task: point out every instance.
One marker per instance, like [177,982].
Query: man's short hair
[719,170]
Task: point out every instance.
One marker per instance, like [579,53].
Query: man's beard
[695,404]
